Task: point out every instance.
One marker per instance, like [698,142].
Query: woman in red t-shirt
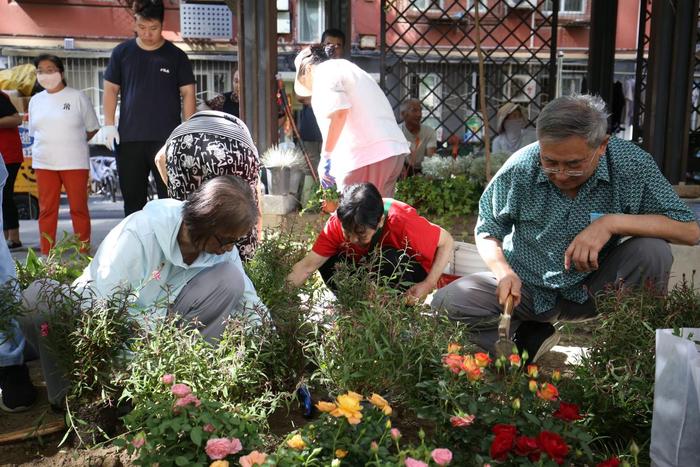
[410,244]
[11,150]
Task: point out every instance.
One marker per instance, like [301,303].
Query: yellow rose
[453,347]
[296,442]
[348,407]
[219,464]
[325,406]
[355,396]
[340,453]
[381,403]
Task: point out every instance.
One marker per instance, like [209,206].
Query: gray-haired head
[581,115]
[407,103]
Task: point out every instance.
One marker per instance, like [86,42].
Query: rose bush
[499,411]
[353,430]
[177,428]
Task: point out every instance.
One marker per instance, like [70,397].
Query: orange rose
[515,359]
[532,371]
[548,392]
[482,359]
[453,362]
[532,386]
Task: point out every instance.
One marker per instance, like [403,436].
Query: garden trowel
[504,345]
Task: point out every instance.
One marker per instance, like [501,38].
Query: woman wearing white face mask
[512,134]
[62,121]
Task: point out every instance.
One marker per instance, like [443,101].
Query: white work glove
[111,136]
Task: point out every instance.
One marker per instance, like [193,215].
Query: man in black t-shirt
[151,74]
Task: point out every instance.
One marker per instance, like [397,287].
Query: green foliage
[229,371]
[374,341]
[10,309]
[88,337]
[477,169]
[172,430]
[615,380]
[268,270]
[64,263]
[454,197]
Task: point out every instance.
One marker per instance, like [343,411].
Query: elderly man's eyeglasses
[568,172]
[223,243]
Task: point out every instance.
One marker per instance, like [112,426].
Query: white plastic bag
[675,427]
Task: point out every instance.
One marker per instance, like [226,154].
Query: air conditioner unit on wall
[522,4]
[521,88]
[206,20]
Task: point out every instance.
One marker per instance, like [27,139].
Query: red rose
[554,445]
[503,429]
[567,412]
[524,446]
[612,462]
[501,446]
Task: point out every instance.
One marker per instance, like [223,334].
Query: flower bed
[427,397]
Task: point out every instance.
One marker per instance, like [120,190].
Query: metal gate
[693,168]
[429,53]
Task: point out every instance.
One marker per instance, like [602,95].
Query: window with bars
[566,6]
[483,6]
[311,16]
[425,5]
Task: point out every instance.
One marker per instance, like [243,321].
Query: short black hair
[333,32]
[53,59]
[361,207]
[224,203]
[149,9]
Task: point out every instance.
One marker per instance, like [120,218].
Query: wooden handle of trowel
[504,324]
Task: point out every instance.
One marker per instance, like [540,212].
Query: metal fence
[429,53]
[694,127]
[641,70]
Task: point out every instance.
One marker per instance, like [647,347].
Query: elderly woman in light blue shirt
[179,250]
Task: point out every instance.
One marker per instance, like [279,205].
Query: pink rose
[187,400]
[44,328]
[395,434]
[235,446]
[411,462]
[218,448]
[441,456]
[208,428]
[156,275]
[458,422]
[168,379]
[138,441]
[180,390]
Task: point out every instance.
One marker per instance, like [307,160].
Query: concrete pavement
[104,215]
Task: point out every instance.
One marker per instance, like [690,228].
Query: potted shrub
[283,166]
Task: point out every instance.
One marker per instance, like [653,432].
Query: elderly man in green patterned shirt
[551,224]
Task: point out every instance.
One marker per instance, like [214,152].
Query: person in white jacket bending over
[180,249]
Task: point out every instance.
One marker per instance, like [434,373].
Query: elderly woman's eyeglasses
[569,172]
[223,243]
